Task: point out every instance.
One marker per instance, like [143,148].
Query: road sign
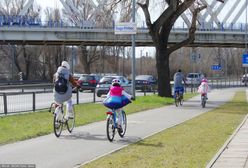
[216,67]
[245,60]
[125,28]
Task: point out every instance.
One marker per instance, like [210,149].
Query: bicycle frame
[178,96]
[59,120]
[112,112]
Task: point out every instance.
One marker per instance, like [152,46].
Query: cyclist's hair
[179,70]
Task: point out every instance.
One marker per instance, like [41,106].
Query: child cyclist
[204,88]
[116,99]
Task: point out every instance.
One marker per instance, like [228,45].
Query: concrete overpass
[106,37]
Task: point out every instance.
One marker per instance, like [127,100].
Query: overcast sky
[48,3]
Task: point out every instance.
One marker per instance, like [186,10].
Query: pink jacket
[115,91]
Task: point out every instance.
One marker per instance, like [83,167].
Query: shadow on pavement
[75,135]
[99,137]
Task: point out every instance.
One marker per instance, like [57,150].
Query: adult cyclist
[61,97]
[178,82]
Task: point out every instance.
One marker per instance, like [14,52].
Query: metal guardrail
[17,102]
[21,85]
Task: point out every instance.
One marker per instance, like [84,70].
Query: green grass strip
[24,126]
[189,145]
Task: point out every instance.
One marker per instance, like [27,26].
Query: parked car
[244,78]
[194,78]
[104,84]
[145,82]
[97,77]
[76,76]
[88,82]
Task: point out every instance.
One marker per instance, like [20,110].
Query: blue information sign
[245,60]
[216,67]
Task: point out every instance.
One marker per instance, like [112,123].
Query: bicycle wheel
[57,124]
[110,127]
[181,100]
[70,123]
[123,125]
[176,99]
[203,102]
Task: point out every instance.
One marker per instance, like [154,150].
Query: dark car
[76,76]
[145,82]
[87,82]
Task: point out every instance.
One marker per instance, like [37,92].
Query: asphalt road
[89,142]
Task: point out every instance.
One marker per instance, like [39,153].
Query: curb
[217,155]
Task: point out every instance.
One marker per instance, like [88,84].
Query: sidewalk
[89,142]
[234,153]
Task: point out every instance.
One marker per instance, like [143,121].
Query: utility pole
[246,39]
[140,62]
[133,51]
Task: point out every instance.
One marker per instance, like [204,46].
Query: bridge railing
[26,21]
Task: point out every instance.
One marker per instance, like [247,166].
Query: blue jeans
[179,90]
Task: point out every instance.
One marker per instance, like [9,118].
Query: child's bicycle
[178,96]
[112,125]
[59,119]
[203,100]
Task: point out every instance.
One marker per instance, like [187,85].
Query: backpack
[60,84]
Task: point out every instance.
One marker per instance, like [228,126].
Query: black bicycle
[59,119]
[203,100]
[178,96]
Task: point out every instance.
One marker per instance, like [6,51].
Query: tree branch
[172,13]
[144,7]
[192,30]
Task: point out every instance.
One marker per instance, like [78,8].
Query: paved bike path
[90,142]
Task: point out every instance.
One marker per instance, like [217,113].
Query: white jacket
[203,88]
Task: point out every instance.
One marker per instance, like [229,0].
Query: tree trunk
[85,59]
[163,69]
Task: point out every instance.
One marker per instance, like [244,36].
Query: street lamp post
[133,51]
[140,62]
[246,38]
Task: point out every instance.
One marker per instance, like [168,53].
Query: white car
[104,84]
[194,78]
[244,78]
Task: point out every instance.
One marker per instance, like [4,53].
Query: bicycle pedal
[120,130]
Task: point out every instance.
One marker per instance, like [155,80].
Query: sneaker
[120,130]
[69,115]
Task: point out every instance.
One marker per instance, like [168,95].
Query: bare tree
[15,53]
[160,31]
